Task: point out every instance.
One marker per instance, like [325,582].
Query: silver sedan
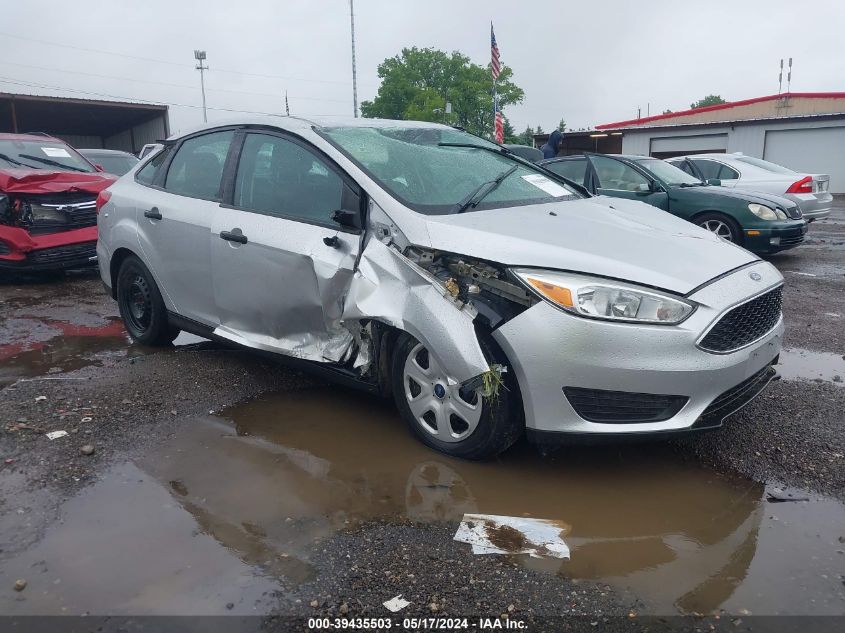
[487,296]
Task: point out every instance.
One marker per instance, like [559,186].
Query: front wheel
[141,305]
[722,225]
[447,418]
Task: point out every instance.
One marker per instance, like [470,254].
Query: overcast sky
[588,62]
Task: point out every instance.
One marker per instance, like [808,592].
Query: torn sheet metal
[389,287]
[493,534]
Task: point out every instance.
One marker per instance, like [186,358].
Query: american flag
[500,127]
[495,64]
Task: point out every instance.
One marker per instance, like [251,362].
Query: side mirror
[714,181]
[347,218]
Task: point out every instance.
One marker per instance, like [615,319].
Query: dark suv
[762,223]
[48,214]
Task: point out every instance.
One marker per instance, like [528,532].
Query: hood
[610,237]
[758,197]
[50,181]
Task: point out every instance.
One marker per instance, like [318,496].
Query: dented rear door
[280,264]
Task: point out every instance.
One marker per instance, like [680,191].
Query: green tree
[417,84]
[526,137]
[709,100]
[539,130]
[562,125]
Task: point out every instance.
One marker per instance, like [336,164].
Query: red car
[48,213]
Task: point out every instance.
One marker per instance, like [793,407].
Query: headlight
[47,214]
[766,213]
[603,299]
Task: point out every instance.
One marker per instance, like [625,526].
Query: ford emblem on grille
[755,276]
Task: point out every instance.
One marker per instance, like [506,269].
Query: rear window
[764,164]
[117,164]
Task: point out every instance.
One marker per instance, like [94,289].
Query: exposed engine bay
[48,213]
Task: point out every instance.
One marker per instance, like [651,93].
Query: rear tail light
[103,197]
[805,185]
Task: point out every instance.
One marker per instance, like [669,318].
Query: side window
[708,168]
[279,177]
[147,174]
[197,168]
[727,173]
[683,166]
[614,174]
[574,170]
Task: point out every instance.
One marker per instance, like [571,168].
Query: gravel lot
[66,365]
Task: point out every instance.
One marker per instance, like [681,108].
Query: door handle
[331,241]
[153,214]
[229,236]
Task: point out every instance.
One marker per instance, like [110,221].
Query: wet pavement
[202,503]
[229,511]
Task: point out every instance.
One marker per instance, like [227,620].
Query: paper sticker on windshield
[549,186]
[56,152]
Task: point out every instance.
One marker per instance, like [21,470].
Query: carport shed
[86,123]
[802,131]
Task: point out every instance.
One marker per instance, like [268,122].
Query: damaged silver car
[487,296]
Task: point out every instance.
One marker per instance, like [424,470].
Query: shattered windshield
[46,154]
[422,167]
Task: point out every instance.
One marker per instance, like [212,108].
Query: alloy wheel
[719,228]
[438,404]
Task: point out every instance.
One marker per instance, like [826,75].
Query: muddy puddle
[802,364]
[49,348]
[231,508]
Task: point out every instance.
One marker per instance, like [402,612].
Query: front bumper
[766,241]
[21,251]
[550,350]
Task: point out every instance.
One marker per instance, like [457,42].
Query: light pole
[200,57]
[354,70]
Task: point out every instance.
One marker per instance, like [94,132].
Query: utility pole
[287,106]
[354,69]
[200,57]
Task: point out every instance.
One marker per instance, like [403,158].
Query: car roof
[9,136]
[300,124]
[105,152]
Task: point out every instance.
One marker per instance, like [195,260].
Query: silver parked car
[415,260]
[810,191]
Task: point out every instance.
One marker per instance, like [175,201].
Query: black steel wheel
[141,305]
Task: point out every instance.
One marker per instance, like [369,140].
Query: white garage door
[813,150]
[694,144]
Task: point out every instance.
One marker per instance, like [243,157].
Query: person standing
[553,145]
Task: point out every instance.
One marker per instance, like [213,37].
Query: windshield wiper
[480,192]
[55,163]
[495,150]
[684,185]
[13,161]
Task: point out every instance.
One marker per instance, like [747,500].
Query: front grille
[622,407]
[63,256]
[793,212]
[745,323]
[60,212]
[735,398]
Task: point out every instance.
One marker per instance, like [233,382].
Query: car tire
[465,425]
[141,306]
[722,225]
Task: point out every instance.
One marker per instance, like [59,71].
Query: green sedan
[762,223]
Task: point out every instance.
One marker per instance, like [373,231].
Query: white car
[810,191]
